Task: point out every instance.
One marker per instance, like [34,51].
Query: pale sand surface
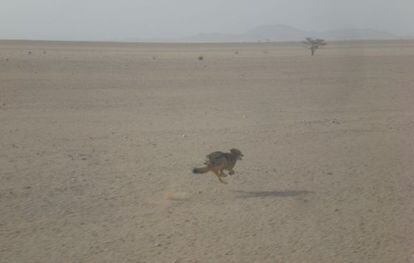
[97,143]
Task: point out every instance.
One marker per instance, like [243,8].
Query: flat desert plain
[98,141]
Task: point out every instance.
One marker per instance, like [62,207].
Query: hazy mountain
[288,33]
[214,37]
[356,34]
[275,33]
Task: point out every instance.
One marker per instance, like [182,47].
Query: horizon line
[192,42]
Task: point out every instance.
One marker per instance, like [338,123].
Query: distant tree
[314,44]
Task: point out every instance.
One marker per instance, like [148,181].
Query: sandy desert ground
[98,141]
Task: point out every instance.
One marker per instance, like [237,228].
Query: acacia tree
[314,44]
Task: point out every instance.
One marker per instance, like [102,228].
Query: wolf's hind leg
[222,174]
[221,180]
[219,173]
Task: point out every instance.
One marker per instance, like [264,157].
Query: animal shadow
[256,194]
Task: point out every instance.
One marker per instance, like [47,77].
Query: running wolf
[219,161]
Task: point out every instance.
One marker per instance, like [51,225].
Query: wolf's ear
[236,151]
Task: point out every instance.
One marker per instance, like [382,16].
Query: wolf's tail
[200,170]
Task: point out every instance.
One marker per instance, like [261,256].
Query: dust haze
[140,20]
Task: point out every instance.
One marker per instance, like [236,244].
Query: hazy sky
[135,19]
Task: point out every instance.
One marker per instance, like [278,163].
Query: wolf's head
[237,153]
